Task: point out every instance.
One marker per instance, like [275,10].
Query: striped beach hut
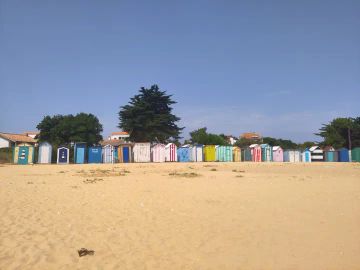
[94,154]
[278,154]
[224,153]
[355,154]
[45,152]
[158,152]
[344,155]
[236,154]
[292,156]
[171,152]
[317,154]
[141,152]
[184,153]
[24,154]
[198,153]
[266,152]
[79,152]
[255,152]
[63,154]
[209,153]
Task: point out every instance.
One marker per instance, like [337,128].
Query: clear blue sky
[281,68]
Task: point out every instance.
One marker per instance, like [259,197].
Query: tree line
[149,117]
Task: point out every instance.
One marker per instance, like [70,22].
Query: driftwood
[84,252]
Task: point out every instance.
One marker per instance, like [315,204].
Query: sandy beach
[181,216]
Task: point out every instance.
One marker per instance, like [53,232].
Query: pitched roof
[31,133]
[17,137]
[275,148]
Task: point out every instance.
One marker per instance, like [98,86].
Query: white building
[10,139]
[119,135]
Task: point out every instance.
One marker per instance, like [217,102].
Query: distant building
[251,136]
[11,139]
[119,135]
[231,139]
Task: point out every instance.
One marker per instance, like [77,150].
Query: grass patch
[213,170]
[62,172]
[240,171]
[185,174]
[239,176]
[93,181]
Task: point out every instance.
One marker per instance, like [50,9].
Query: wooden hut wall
[158,153]
[45,152]
[141,152]
[355,154]
[108,154]
[63,155]
[236,154]
[209,153]
[278,154]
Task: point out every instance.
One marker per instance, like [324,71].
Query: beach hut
[95,154]
[266,152]
[306,156]
[236,154]
[224,153]
[171,152]
[329,154]
[197,153]
[141,152]
[124,153]
[317,154]
[63,154]
[79,152]
[292,156]
[108,154]
[158,152]
[184,153]
[24,154]
[246,154]
[45,152]
[255,152]
[277,154]
[209,153]
[355,154]
[344,155]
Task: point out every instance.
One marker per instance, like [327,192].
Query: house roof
[114,142]
[250,135]
[17,137]
[31,133]
[119,133]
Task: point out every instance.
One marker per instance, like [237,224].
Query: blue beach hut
[63,155]
[94,154]
[79,153]
[344,155]
[183,153]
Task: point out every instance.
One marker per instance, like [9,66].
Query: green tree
[201,136]
[284,144]
[63,129]
[148,117]
[243,142]
[336,133]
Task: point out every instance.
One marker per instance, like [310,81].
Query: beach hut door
[63,155]
[126,154]
[23,155]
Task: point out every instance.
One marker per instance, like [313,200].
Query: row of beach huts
[122,152]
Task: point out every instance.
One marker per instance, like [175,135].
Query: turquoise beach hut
[224,153]
[266,152]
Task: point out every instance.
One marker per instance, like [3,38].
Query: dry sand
[180,216]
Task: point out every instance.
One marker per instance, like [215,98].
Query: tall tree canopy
[201,136]
[284,144]
[337,132]
[148,117]
[63,129]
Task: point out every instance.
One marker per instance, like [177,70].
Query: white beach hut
[141,152]
[45,151]
[158,152]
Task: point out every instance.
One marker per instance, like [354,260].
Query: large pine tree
[148,117]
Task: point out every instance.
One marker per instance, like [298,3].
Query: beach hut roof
[276,148]
[114,142]
[17,138]
[253,145]
[313,148]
